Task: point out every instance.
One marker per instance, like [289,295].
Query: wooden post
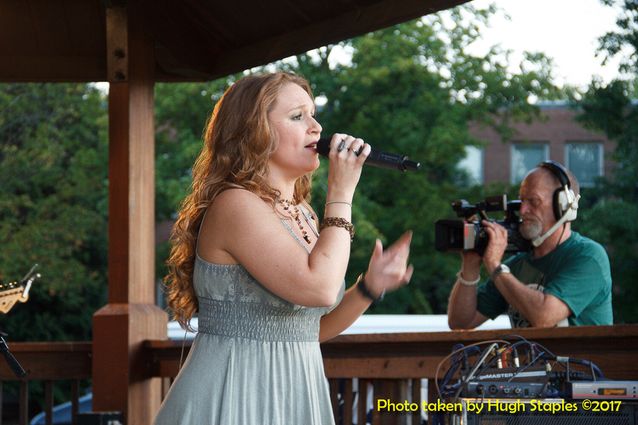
[120,372]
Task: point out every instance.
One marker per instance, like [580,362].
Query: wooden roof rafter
[65,40]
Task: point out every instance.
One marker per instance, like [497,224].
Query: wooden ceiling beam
[193,40]
[361,20]
[182,51]
[16,69]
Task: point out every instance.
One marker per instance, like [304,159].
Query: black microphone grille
[323,146]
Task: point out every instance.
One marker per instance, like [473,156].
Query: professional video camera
[466,235]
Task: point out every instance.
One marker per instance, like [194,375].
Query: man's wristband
[462,281]
[363,289]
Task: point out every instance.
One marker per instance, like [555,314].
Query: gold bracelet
[338,222]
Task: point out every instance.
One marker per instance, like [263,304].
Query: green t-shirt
[577,272]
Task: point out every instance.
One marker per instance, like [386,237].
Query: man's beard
[530,229]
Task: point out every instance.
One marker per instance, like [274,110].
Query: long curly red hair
[238,142]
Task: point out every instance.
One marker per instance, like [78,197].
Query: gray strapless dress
[255,360]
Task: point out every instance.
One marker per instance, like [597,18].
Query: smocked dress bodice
[255,359]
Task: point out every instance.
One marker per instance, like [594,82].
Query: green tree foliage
[53,206]
[611,215]
[413,89]
[181,112]
[623,40]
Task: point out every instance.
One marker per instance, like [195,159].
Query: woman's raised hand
[389,269]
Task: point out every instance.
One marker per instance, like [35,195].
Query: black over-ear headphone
[565,202]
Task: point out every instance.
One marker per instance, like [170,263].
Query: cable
[596,373]
[476,344]
[464,380]
[522,369]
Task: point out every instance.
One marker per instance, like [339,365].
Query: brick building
[557,136]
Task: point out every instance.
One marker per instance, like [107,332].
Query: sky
[565,30]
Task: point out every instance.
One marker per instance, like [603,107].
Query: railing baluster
[166,385]
[362,401]
[393,390]
[1,399]
[75,401]
[416,398]
[24,402]
[347,402]
[398,358]
[378,390]
[334,400]
[48,402]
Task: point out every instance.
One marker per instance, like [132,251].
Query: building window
[526,156]
[472,164]
[585,161]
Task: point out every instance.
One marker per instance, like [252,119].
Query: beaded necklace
[294,212]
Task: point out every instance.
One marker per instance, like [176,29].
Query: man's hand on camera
[496,246]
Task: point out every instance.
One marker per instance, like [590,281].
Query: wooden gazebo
[132,44]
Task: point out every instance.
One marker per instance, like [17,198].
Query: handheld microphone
[377,158]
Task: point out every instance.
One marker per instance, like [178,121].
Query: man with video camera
[564,279]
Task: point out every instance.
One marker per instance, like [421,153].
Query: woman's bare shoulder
[231,216]
[235,200]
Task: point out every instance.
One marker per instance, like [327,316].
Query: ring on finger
[342,145]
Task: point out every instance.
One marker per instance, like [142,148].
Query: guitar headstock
[12,292]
